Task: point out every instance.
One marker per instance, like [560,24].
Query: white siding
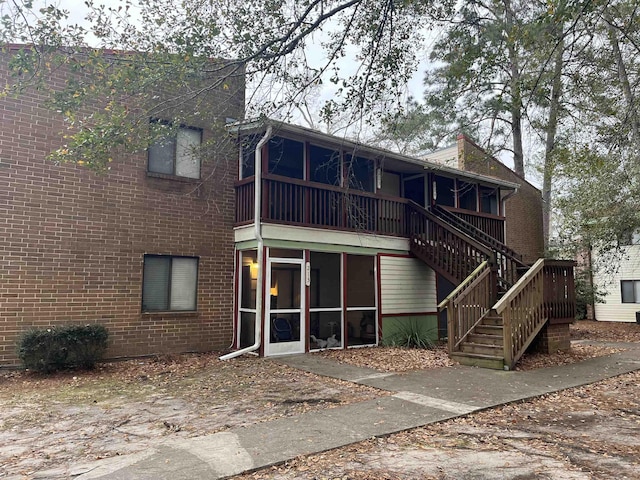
[407,285]
[613,309]
[445,156]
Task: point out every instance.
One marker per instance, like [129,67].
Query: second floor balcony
[307,181]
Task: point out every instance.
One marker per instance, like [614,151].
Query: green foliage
[162,59]
[586,293]
[411,334]
[57,348]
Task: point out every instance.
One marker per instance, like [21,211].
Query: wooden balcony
[290,201]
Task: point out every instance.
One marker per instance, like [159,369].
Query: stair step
[482,349]
[478,360]
[486,339]
[491,320]
[489,329]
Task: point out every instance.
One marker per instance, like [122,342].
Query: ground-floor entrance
[312,300]
[285,313]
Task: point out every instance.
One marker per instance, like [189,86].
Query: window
[467,196]
[248,147]
[286,157]
[176,154]
[359,173]
[445,191]
[489,200]
[169,283]
[630,291]
[629,237]
[324,165]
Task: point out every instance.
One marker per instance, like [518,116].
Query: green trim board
[316,247]
[392,324]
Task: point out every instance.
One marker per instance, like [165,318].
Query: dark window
[489,200]
[445,191]
[176,154]
[467,196]
[414,190]
[286,157]
[324,165]
[630,291]
[169,283]
[359,173]
[248,148]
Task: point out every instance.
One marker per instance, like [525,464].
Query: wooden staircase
[496,311]
[484,346]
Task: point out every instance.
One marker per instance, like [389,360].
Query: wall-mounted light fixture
[253,269]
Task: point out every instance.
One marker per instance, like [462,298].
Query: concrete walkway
[418,398]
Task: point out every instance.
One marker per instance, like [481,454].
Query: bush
[57,348]
[411,334]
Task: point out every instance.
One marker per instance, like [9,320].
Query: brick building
[74,244]
[280,240]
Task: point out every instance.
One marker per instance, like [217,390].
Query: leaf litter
[124,407]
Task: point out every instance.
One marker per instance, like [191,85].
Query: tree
[503,68]
[172,44]
[600,167]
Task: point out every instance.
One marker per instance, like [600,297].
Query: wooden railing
[469,303]
[492,225]
[296,202]
[245,191]
[508,261]
[545,292]
[445,249]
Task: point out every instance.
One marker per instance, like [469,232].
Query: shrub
[411,334]
[56,348]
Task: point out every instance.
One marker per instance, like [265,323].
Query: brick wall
[72,241]
[552,338]
[523,210]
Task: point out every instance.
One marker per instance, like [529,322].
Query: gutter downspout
[504,208]
[258,232]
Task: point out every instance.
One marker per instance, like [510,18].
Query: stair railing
[444,248]
[469,303]
[507,260]
[546,291]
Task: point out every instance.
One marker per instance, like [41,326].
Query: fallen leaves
[606,331]
[125,407]
[391,359]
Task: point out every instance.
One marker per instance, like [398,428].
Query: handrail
[438,221]
[442,305]
[546,291]
[332,188]
[473,212]
[477,233]
[467,306]
[519,286]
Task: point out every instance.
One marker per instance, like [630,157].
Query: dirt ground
[122,408]
[125,407]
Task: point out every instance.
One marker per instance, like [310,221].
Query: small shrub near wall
[57,348]
[411,334]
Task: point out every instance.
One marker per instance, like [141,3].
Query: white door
[285,322]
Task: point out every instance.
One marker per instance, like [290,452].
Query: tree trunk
[629,98]
[550,142]
[516,94]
